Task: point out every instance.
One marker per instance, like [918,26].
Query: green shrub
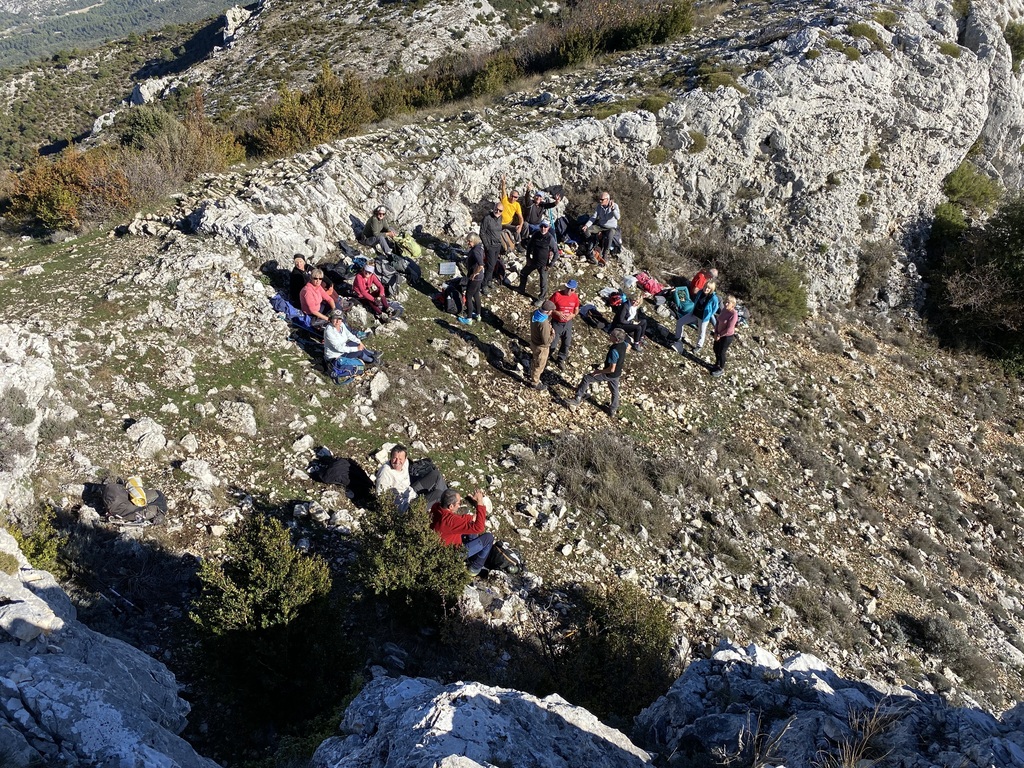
[713,74]
[136,127]
[41,542]
[937,634]
[961,8]
[971,189]
[14,407]
[658,156]
[874,162]
[886,18]
[654,103]
[333,107]
[1014,34]
[263,619]
[772,287]
[948,227]
[499,70]
[609,108]
[9,563]
[869,33]
[950,49]
[812,54]
[850,51]
[403,559]
[619,660]
[873,263]
[699,142]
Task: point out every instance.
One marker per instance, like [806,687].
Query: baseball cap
[545,223]
[548,306]
[572,284]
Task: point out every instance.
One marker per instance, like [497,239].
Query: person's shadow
[496,357]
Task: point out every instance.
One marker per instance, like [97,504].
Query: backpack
[346,473]
[504,558]
[508,242]
[119,507]
[648,283]
[450,299]
[408,245]
[345,369]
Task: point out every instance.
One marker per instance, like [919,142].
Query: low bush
[772,287]
[654,103]
[850,51]
[269,639]
[607,472]
[886,18]
[866,31]
[658,156]
[1014,35]
[333,107]
[874,162]
[971,189]
[498,71]
[874,260]
[699,142]
[936,634]
[401,558]
[14,407]
[950,49]
[620,658]
[40,541]
[713,74]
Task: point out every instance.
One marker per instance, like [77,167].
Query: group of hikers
[325,296]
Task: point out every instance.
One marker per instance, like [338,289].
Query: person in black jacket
[490,236]
[541,253]
[536,210]
[298,279]
[614,361]
[471,304]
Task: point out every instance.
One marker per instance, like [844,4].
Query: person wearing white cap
[339,341]
[377,230]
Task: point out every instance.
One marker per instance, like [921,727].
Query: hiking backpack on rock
[504,558]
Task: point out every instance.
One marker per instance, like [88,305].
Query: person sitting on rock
[541,336]
[541,253]
[605,224]
[536,210]
[370,290]
[702,278]
[614,361]
[629,318]
[340,341]
[396,475]
[705,307]
[377,230]
[314,300]
[297,279]
[679,301]
[467,530]
[512,212]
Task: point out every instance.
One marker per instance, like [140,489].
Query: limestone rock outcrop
[835,131]
[799,712]
[420,723]
[74,697]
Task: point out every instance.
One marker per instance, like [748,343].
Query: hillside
[849,489]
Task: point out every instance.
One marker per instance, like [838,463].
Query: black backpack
[504,558]
[344,472]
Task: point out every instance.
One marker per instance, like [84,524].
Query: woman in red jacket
[467,530]
[370,290]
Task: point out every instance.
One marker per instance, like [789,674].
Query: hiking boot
[465,320]
[475,571]
[716,372]
[540,386]
[560,365]
[573,404]
[507,283]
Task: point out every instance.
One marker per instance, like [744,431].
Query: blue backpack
[345,369]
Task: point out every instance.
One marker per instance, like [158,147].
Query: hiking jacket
[312,297]
[375,226]
[606,216]
[474,259]
[680,299]
[535,211]
[368,287]
[705,306]
[451,526]
[542,249]
[339,343]
[726,323]
[296,282]
[698,282]
[490,233]
[541,332]
[616,359]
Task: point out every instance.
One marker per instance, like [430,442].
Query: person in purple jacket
[724,332]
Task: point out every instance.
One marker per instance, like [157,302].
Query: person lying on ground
[467,530]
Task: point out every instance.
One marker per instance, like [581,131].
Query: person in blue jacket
[705,307]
